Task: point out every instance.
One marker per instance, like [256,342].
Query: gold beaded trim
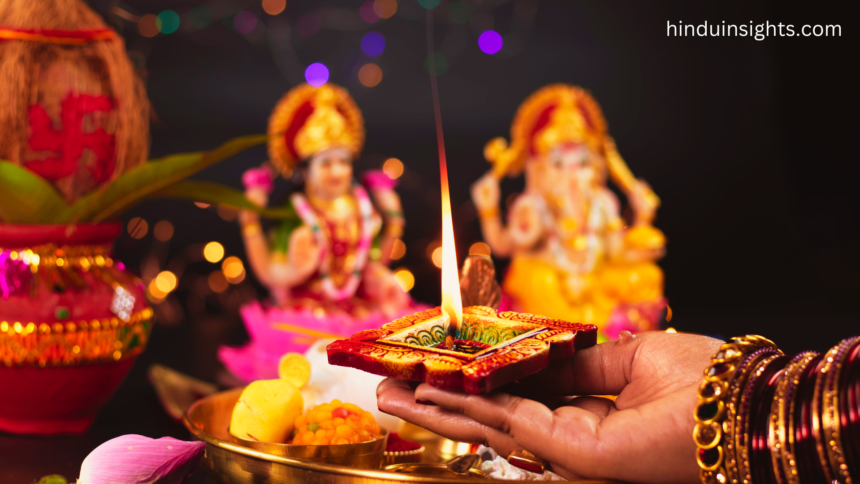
[714,418]
[69,343]
[50,255]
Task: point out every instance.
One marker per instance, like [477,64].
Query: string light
[233,269]
[385,8]
[398,249]
[217,282]
[163,231]
[149,25]
[213,252]
[274,7]
[169,21]
[227,213]
[316,74]
[405,278]
[370,75]
[165,281]
[480,248]
[490,42]
[368,13]
[393,168]
[201,204]
[372,44]
[137,228]
[436,257]
[245,22]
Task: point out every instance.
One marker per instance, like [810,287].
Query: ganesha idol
[326,269]
[573,256]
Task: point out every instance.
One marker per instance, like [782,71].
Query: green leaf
[25,197]
[215,193]
[144,180]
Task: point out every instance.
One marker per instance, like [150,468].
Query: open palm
[644,435]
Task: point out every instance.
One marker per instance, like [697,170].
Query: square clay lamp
[493,348]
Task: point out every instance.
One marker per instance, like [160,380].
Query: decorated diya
[475,349]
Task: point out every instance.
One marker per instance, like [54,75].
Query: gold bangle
[743,433]
[714,417]
[251,229]
[830,410]
[782,417]
[488,213]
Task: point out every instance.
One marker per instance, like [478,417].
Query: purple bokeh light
[245,22]
[490,42]
[316,74]
[367,13]
[372,44]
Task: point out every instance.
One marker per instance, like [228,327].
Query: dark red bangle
[808,465]
[763,388]
[849,411]
[757,363]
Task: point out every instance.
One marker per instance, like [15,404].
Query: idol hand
[645,435]
[486,193]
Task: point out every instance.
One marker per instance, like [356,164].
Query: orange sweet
[335,423]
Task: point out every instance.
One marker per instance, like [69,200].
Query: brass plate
[231,463]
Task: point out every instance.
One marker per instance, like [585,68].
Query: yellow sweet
[335,423]
[295,368]
[266,411]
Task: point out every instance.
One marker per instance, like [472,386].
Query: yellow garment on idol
[539,287]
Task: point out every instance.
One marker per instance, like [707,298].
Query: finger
[398,399]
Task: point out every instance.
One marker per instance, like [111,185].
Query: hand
[304,252]
[641,201]
[258,195]
[645,435]
[387,200]
[486,193]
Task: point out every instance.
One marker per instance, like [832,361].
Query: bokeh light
[393,168]
[163,231]
[316,74]
[153,293]
[367,12]
[137,228]
[213,252]
[405,278]
[227,212]
[274,7]
[217,282]
[200,17]
[385,8]
[428,4]
[169,21]
[398,249]
[245,22]
[232,266]
[372,44]
[165,281]
[459,11]
[436,257]
[201,204]
[441,63]
[490,42]
[480,248]
[148,25]
[370,75]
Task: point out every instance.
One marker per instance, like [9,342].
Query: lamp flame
[452,304]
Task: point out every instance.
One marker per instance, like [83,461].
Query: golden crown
[311,119]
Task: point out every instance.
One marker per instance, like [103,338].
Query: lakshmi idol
[573,255]
[326,269]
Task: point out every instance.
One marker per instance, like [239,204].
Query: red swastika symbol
[67,144]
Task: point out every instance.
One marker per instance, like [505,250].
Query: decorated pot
[72,322]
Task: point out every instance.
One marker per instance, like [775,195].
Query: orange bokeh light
[274,7]
[370,75]
[393,168]
[385,8]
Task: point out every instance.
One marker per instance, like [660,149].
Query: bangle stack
[763,418]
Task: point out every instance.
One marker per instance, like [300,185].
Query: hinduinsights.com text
[758,31]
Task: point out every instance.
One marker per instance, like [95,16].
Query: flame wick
[452,304]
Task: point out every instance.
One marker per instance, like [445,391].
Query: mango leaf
[142,181]
[215,193]
[27,198]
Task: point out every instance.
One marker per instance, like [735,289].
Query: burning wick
[452,304]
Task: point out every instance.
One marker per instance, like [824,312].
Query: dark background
[749,144]
[746,142]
